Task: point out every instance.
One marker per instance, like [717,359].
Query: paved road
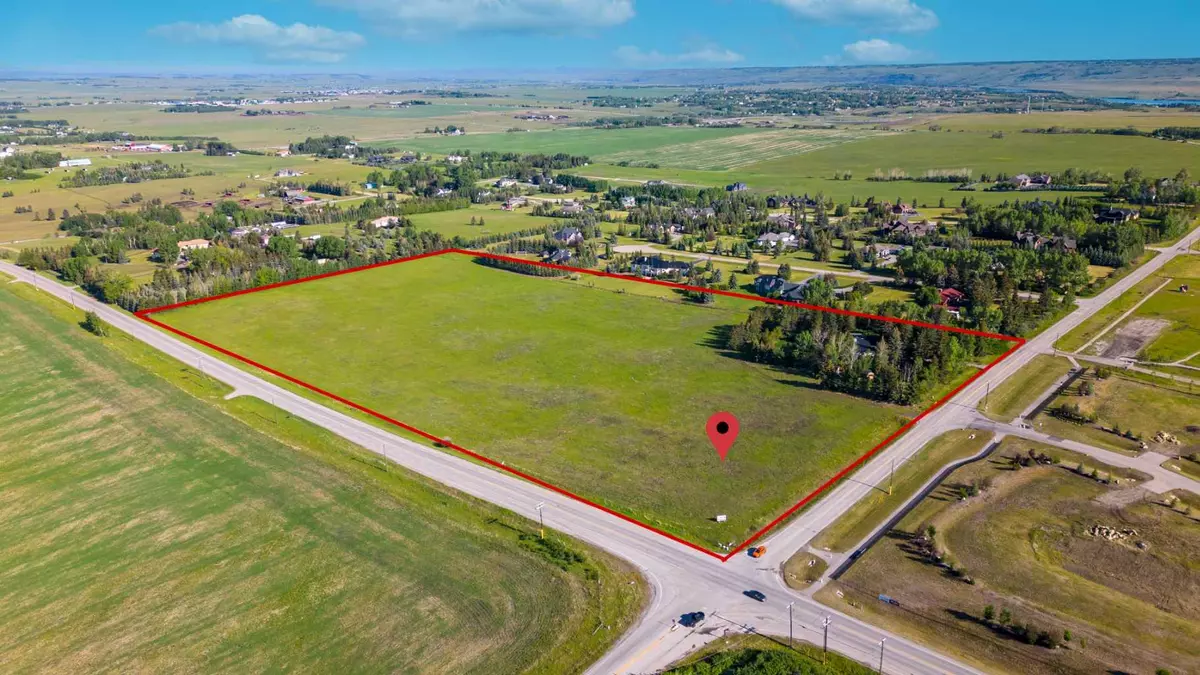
[682,579]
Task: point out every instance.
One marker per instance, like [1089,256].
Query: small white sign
[721,518]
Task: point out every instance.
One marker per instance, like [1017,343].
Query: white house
[75,162]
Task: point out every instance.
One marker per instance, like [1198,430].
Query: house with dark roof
[558,256]
[656,266]
[783,221]
[772,286]
[569,236]
[736,187]
[1117,216]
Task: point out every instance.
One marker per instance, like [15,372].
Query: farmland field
[603,392]
[736,152]
[1130,604]
[150,526]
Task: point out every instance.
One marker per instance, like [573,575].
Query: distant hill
[1160,78]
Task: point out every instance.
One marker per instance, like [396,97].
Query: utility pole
[541,520]
[825,646]
[791,643]
[987,395]
[892,477]
[881,643]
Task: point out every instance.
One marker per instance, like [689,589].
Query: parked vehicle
[756,595]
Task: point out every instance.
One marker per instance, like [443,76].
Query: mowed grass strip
[601,392]
[874,509]
[146,530]
[1019,392]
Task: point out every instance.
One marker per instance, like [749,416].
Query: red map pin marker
[722,430]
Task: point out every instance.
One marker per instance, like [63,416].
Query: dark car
[757,595]
[691,619]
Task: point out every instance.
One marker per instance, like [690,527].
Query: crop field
[149,526]
[359,121]
[1130,604]
[600,391]
[1070,119]
[578,141]
[735,152]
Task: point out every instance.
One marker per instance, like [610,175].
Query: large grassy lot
[1027,542]
[457,223]
[1125,404]
[601,391]
[151,526]
[1183,268]
[1180,340]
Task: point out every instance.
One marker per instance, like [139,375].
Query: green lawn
[1017,393]
[752,654]
[457,223]
[866,515]
[1089,329]
[1181,339]
[151,526]
[1025,542]
[602,392]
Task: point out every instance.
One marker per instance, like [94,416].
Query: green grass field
[1130,404]
[1017,393]
[868,513]
[1184,267]
[752,654]
[457,223]
[1025,542]
[604,393]
[1181,339]
[150,526]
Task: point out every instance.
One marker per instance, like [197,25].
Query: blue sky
[385,36]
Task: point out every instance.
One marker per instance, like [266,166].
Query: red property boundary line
[1018,342]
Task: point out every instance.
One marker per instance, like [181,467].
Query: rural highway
[682,579]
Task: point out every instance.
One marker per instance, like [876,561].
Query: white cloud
[634,56]
[904,16]
[877,51]
[297,42]
[427,18]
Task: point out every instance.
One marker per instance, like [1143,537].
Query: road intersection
[682,579]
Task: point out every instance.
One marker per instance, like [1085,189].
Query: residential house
[736,187]
[455,159]
[505,183]
[442,192]
[67,163]
[8,151]
[1117,216]
[694,213]
[385,222]
[952,297]
[571,208]
[900,210]
[193,244]
[782,239]
[569,236]
[772,286]
[903,228]
[654,183]
[1032,240]
[559,256]
[672,230]
[513,203]
[783,221]
[1024,182]
[628,202]
[647,266]
[1064,244]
